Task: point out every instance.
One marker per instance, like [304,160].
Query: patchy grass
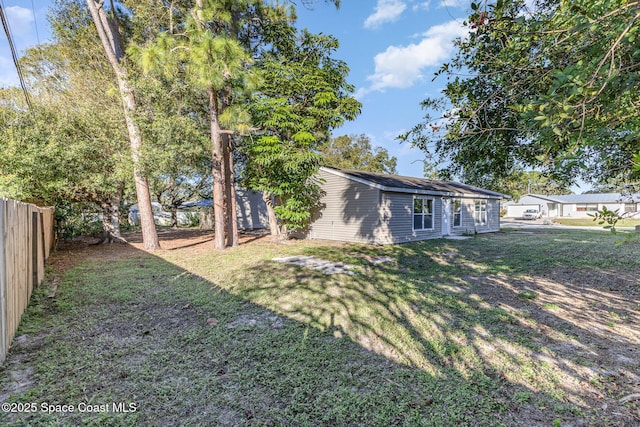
[527,295]
[444,334]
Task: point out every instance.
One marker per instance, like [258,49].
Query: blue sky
[392,47]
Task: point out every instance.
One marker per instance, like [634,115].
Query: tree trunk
[107,223]
[112,43]
[273,219]
[230,192]
[217,172]
[206,220]
[174,217]
[111,222]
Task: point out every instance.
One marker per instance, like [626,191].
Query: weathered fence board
[26,240]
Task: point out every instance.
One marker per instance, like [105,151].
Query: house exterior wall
[350,213]
[356,212]
[532,200]
[251,210]
[468,223]
[493,215]
[398,219]
[571,209]
[554,209]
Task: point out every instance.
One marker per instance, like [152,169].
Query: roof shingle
[404,183]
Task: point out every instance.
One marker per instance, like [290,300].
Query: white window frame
[423,214]
[480,215]
[457,212]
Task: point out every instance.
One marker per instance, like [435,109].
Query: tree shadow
[457,314]
[440,336]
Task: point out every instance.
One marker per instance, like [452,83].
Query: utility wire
[35,21]
[5,26]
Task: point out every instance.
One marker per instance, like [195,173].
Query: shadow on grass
[442,336]
[461,313]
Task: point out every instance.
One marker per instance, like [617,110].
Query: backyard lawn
[531,328]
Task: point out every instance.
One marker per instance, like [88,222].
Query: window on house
[480,212]
[422,213]
[587,207]
[457,213]
[630,207]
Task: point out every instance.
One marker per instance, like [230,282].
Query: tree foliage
[355,152]
[520,183]
[177,157]
[209,49]
[72,145]
[303,96]
[552,87]
[229,68]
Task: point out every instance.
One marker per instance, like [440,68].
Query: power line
[14,56]
[35,21]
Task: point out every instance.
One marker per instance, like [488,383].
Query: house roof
[408,184]
[590,198]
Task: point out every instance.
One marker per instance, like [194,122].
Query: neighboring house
[250,207]
[383,209]
[160,216]
[575,205]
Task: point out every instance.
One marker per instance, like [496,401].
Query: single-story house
[160,216]
[575,205]
[250,208]
[377,208]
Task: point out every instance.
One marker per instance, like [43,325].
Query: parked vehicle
[532,214]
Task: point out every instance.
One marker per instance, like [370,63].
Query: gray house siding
[399,219]
[493,217]
[468,218]
[354,211]
[468,223]
[350,211]
[251,210]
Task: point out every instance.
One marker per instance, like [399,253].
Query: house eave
[411,190]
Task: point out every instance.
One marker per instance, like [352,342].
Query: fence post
[42,235]
[34,252]
[3,282]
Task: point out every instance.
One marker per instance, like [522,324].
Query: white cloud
[20,19]
[385,11]
[401,66]
[455,3]
[423,5]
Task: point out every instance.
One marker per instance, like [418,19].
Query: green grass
[589,222]
[527,295]
[447,334]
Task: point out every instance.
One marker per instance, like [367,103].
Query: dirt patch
[322,265]
[194,240]
[590,320]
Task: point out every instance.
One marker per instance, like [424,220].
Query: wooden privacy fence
[26,239]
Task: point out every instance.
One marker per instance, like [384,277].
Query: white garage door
[516,211]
